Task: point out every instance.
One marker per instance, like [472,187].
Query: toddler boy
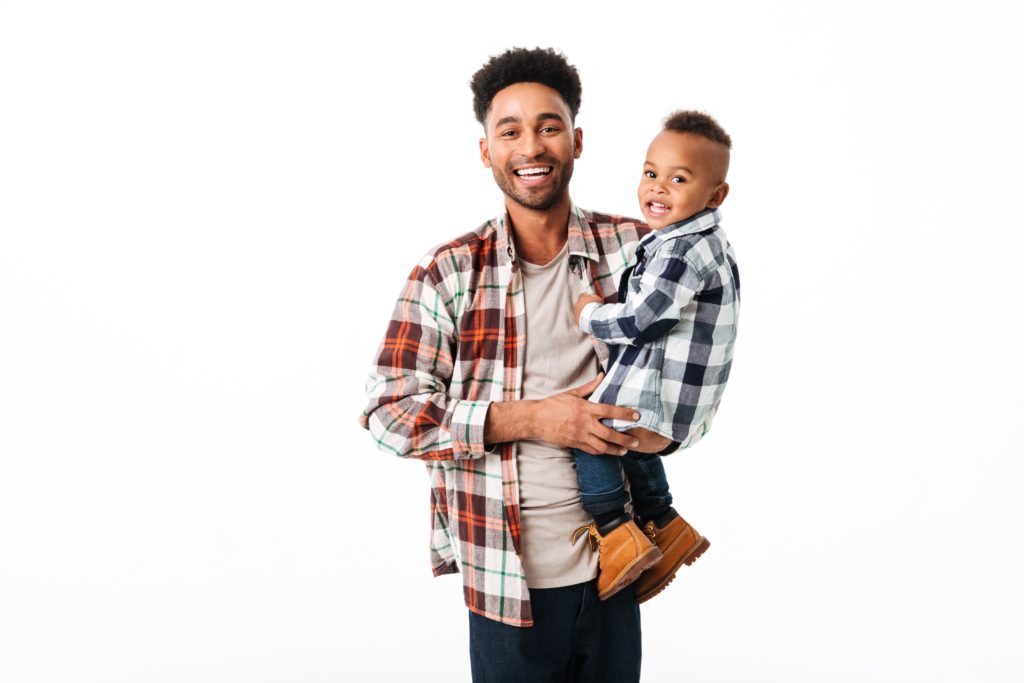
[670,339]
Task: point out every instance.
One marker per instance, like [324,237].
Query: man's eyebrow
[540,117]
[507,119]
[550,115]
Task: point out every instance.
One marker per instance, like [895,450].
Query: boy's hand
[583,301]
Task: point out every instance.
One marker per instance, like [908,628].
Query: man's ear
[485,153]
[718,195]
[577,138]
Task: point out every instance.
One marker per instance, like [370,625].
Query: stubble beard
[534,201]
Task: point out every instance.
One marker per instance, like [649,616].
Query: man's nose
[531,144]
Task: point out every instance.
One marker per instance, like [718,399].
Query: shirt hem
[563,581]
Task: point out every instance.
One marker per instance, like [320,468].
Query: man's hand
[569,420]
[650,442]
[583,301]
[565,419]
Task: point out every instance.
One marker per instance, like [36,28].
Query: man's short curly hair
[698,123]
[520,65]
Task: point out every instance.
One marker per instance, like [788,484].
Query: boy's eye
[678,179]
[650,174]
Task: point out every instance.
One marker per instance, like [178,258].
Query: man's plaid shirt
[455,344]
[672,333]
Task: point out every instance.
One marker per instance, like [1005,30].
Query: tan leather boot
[625,552]
[679,544]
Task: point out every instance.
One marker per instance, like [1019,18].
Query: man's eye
[507,134]
[549,129]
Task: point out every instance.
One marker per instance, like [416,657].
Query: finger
[587,389]
[616,438]
[615,412]
[598,447]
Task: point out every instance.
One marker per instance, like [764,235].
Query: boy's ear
[485,154]
[718,195]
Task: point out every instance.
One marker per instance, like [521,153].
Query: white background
[207,209]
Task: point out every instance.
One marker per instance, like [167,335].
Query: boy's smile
[684,174]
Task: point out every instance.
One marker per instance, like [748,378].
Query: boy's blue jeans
[601,484]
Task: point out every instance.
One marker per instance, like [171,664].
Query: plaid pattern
[455,344]
[672,335]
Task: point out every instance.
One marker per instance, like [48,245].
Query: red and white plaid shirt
[454,345]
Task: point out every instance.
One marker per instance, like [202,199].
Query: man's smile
[533,175]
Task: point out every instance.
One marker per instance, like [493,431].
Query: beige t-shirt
[559,356]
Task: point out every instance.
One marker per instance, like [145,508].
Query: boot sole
[688,559]
[631,573]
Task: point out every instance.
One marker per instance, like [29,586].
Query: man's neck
[539,235]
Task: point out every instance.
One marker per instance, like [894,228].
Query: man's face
[530,144]
[683,175]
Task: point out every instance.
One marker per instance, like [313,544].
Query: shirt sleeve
[409,411]
[667,286]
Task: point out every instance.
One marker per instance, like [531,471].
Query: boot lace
[593,537]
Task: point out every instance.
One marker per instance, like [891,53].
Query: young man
[484,374]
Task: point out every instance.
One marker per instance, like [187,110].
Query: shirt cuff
[467,429]
[586,314]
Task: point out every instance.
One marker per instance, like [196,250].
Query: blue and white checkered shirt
[671,337]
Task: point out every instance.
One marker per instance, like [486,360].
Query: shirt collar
[708,218]
[580,237]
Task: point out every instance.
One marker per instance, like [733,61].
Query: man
[484,374]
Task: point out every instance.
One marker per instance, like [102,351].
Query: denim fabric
[601,488]
[575,637]
[647,483]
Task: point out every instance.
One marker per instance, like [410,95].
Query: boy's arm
[667,286]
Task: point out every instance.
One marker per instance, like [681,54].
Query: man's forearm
[510,421]
[567,419]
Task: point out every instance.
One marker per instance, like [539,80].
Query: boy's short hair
[698,123]
[520,65]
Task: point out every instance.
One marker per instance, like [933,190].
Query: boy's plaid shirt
[673,330]
[455,343]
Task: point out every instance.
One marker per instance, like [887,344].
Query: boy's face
[683,175]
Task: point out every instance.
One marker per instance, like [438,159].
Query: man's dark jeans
[575,637]
[602,490]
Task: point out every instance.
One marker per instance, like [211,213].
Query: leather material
[625,552]
[679,544]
